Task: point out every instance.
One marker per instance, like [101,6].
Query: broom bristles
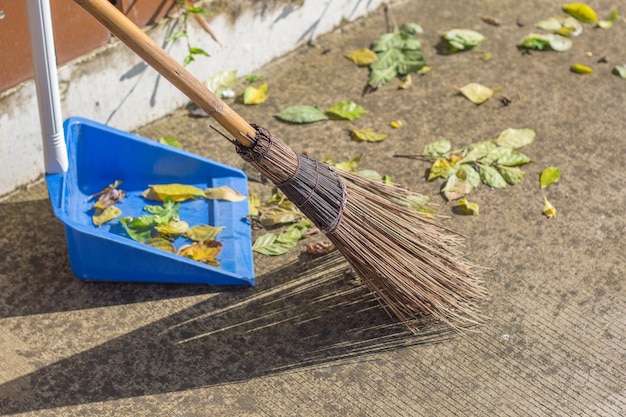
[411,262]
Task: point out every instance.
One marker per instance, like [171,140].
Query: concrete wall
[113,86]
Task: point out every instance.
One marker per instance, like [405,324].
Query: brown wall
[75,32]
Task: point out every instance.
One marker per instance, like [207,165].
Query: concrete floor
[306,341]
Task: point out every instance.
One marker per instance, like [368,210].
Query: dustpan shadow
[35,274]
[297,320]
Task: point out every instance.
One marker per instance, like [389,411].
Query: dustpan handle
[129,33]
[47,85]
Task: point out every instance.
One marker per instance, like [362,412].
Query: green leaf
[476,93]
[551,40]
[512,175]
[463,39]
[563,25]
[478,150]
[385,42]
[160,214]
[253,78]
[582,12]
[203,232]
[347,110]
[222,81]
[399,53]
[549,176]
[273,244]
[171,141]
[135,231]
[198,51]
[301,114]
[437,148]
[411,29]
[515,138]
[491,177]
[511,158]
[468,172]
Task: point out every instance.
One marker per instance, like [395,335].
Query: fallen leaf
[562,25]
[301,114]
[463,39]
[161,243]
[105,215]
[176,192]
[511,158]
[439,168]
[346,110]
[278,215]
[273,244]
[515,138]
[254,95]
[540,42]
[396,124]
[620,71]
[609,21]
[491,177]
[456,187]
[582,12]
[476,93]
[367,135]
[202,232]
[221,82]
[437,148]
[350,165]
[363,57]
[320,248]
[108,196]
[581,69]
[466,207]
[478,150]
[548,209]
[549,176]
[171,141]
[172,228]
[253,203]
[205,252]
[512,175]
[224,193]
[468,173]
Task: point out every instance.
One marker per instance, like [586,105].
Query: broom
[413,264]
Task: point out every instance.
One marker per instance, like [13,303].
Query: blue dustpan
[91,156]
[100,155]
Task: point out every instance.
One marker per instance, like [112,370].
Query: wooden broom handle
[122,27]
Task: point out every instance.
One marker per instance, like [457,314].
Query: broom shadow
[297,320]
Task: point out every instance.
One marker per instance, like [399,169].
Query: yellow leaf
[581,69]
[362,57]
[476,93]
[253,95]
[106,215]
[253,203]
[581,12]
[224,193]
[203,232]
[548,209]
[173,228]
[438,168]
[367,135]
[202,251]
[467,207]
[177,192]
[396,124]
[161,243]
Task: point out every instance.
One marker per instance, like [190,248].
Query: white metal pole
[47,84]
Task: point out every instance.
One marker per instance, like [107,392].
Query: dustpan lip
[240,260]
